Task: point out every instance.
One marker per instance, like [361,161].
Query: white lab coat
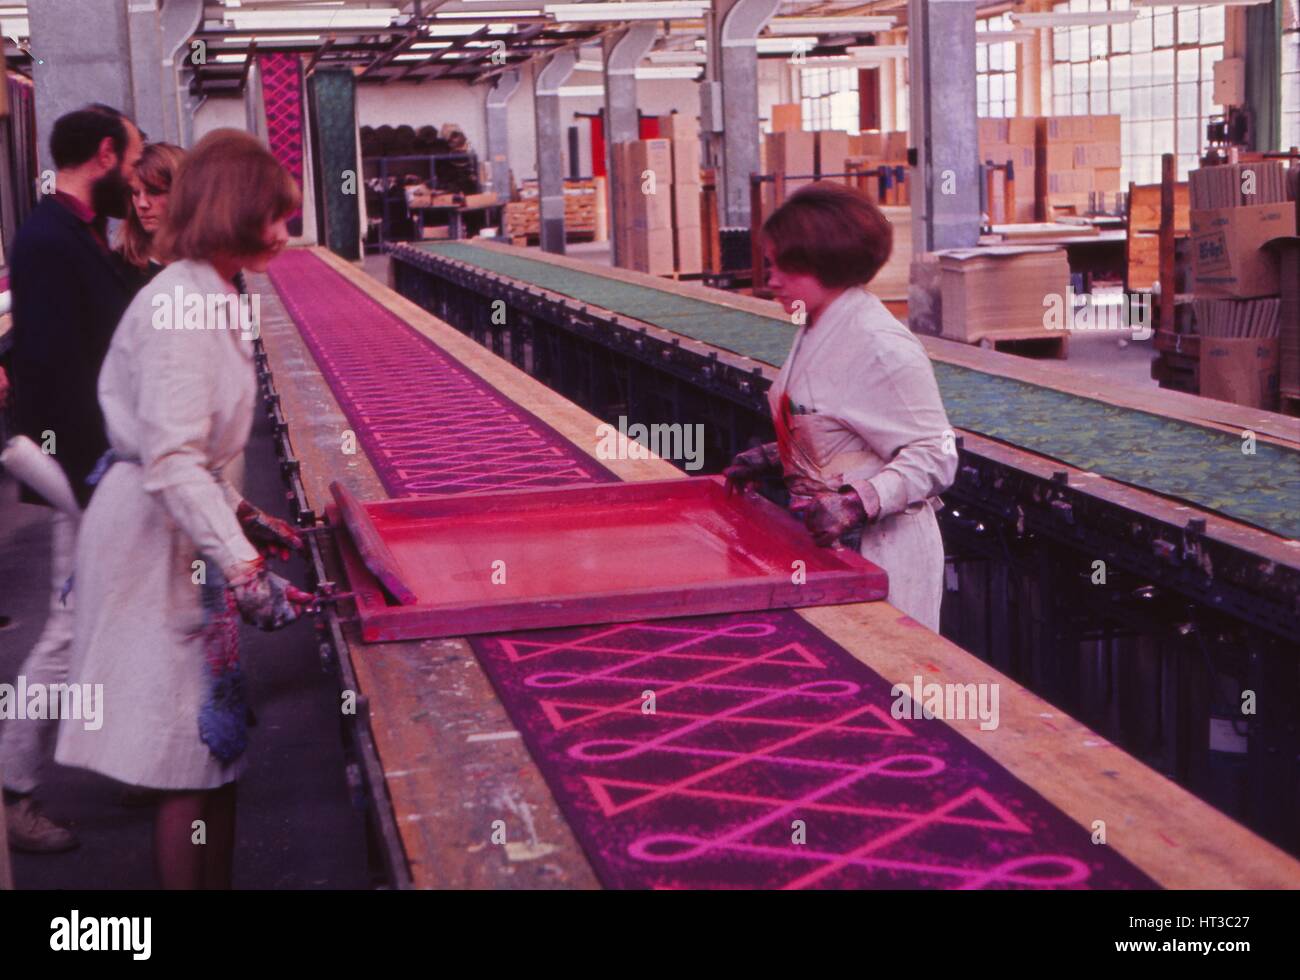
[181,403]
[872,414]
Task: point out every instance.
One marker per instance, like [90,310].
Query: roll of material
[39,472]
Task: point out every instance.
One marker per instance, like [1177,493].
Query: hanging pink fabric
[282,100]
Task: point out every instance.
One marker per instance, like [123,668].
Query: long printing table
[481,781]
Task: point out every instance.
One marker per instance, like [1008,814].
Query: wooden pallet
[1055,347]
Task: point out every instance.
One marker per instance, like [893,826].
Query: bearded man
[68,295]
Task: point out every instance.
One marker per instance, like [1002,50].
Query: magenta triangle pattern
[738,751]
[281,74]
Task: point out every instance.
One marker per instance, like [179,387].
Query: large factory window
[1156,73]
[995,66]
[829,98]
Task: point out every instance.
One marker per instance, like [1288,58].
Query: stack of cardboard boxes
[688,247]
[1078,162]
[1013,140]
[656,188]
[1235,211]
[643,179]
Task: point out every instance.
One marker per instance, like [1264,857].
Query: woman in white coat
[166,560]
[863,441]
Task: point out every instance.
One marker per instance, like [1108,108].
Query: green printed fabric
[1196,463]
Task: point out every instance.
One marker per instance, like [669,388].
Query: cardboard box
[480,200]
[649,210]
[686,160]
[678,126]
[870,144]
[686,205]
[1022,130]
[1080,129]
[1240,369]
[1068,182]
[435,231]
[993,130]
[1057,155]
[832,150]
[651,250]
[689,249]
[896,147]
[792,153]
[1107,180]
[1227,254]
[787,117]
[1097,155]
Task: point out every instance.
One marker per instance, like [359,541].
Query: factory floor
[296,825]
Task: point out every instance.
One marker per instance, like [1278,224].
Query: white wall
[438,102]
[219,113]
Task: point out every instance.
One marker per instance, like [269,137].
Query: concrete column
[732,45]
[945,190]
[179,19]
[622,53]
[550,147]
[497,124]
[146,66]
[79,44]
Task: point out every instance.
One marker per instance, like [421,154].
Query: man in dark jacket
[68,295]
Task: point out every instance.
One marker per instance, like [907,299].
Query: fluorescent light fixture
[829,25]
[230,59]
[1198,3]
[1082,18]
[581,90]
[276,38]
[785,45]
[468,14]
[670,71]
[588,66]
[462,30]
[15,27]
[328,18]
[878,52]
[579,13]
[678,57]
[430,45]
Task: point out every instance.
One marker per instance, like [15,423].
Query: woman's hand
[751,466]
[831,515]
[264,599]
[270,535]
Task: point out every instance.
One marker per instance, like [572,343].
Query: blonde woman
[150,189]
[166,560]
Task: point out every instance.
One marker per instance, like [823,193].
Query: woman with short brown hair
[863,442]
[168,559]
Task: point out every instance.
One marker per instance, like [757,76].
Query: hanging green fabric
[1264,73]
[333,128]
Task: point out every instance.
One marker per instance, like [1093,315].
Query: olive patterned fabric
[1201,465]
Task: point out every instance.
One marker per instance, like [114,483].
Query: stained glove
[270,535]
[831,515]
[751,466]
[264,599]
